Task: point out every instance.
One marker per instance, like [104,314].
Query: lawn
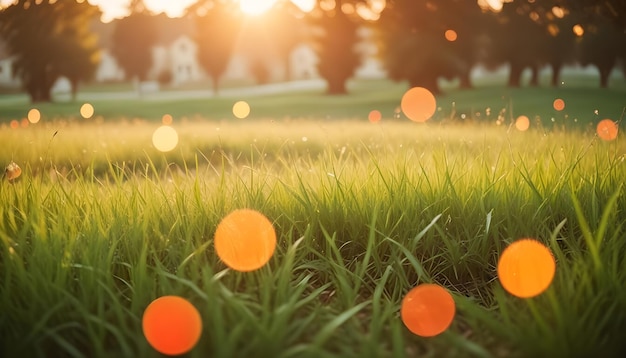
[585,103]
[100,224]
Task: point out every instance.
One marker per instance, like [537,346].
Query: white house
[176,55]
[6,69]
[108,70]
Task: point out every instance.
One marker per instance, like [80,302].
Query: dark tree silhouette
[602,44]
[218,24]
[517,38]
[414,46]
[81,58]
[133,40]
[560,43]
[335,45]
[48,40]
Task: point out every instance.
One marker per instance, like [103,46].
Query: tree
[133,39]
[81,59]
[335,46]
[517,38]
[414,46]
[218,25]
[285,30]
[50,39]
[602,44]
[560,42]
[612,10]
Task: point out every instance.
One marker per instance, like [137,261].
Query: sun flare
[255,7]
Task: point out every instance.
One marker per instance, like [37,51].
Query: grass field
[585,103]
[100,224]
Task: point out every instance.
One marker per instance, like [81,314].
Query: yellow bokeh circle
[241,109]
[34,116]
[165,138]
[87,110]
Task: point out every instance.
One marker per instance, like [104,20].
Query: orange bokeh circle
[522,123]
[172,325]
[375,116]
[451,35]
[607,130]
[526,268]
[427,310]
[418,104]
[558,104]
[245,240]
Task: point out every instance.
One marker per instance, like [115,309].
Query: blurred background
[50,47]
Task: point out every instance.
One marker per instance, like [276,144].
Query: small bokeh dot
[375,116]
[558,104]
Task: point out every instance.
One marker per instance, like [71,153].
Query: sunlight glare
[495,5]
[245,240]
[172,325]
[304,5]
[427,310]
[255,7]
[526,268]
[165,138]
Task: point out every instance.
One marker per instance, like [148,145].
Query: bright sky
[174,8]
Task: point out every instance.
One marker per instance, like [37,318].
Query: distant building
[7,79]
[175,57]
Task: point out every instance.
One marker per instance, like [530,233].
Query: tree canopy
[217,27]
[520,34]
[49,40]
[133,38]
[335,44]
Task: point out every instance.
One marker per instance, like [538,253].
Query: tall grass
[101,224]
